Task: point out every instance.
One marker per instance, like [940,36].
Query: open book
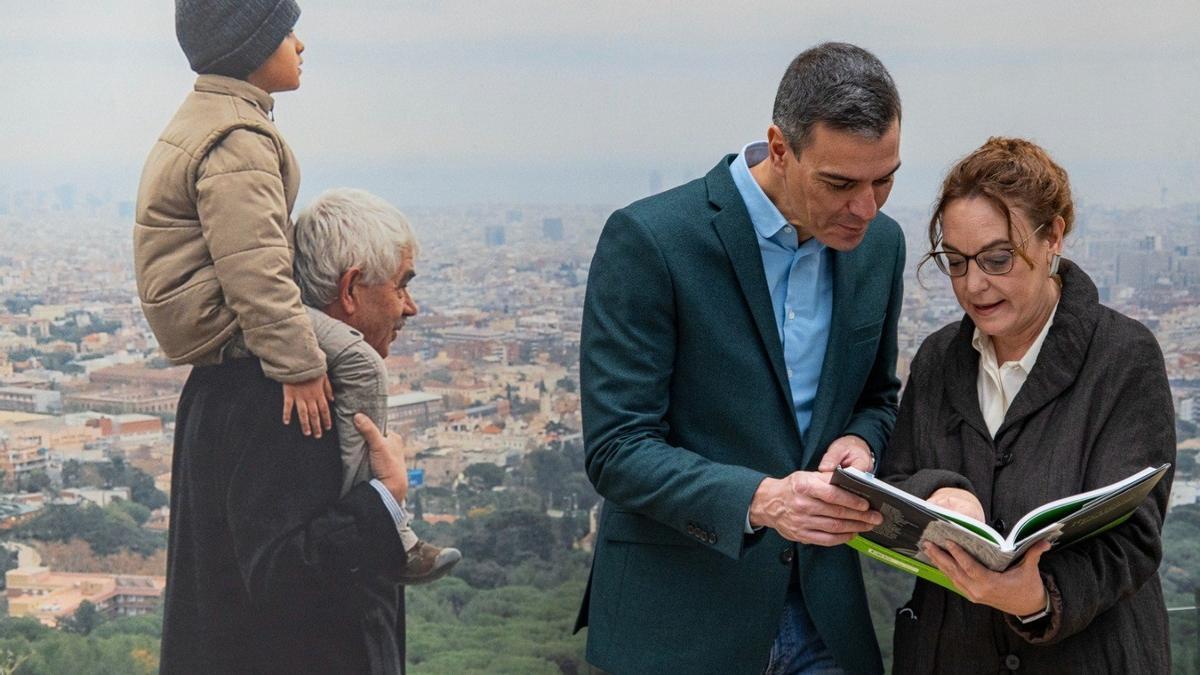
[909,521]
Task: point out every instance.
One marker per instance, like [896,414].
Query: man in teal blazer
[739,341]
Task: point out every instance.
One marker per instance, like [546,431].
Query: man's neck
[773,188]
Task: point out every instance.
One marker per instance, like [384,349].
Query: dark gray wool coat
[268,569]
[1095,409]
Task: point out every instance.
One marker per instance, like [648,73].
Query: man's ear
[348,290]
[777,147]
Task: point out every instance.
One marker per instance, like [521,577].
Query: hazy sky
[433,103]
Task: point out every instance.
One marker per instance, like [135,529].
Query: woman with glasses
[1039,392]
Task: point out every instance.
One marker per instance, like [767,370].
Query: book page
[1063,509]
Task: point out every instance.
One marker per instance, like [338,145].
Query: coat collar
[230,86]
[1058,364]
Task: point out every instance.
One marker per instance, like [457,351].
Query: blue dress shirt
[800,279]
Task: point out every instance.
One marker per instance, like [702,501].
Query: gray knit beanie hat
[232,37]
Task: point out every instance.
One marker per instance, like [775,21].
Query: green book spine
[901,562]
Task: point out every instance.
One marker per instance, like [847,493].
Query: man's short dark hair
[839,84]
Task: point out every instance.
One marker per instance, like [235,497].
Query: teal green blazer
[686,408]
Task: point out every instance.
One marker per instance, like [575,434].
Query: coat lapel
[1063,352]
[962,372]
[844,266]
[736,232]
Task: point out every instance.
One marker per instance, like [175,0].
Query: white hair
[345,228]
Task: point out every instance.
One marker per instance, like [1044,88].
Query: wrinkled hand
[804,507]
[386,456]
[311,400]
[847,451]
[958,501]
[1018,591]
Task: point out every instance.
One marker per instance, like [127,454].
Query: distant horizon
[378,181]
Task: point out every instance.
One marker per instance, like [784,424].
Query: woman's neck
[1014,347]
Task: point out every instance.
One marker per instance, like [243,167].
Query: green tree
[34,481]
[72,474]
[8,560]
[143,491]
[548,469]
[484,475]
[140,514]
[85,619]
[106,530]
[114,472]
[149,625]
[22,628]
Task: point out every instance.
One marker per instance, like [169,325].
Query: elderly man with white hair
[354,260]
[287,552]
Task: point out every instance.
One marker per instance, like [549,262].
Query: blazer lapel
[844,265]
[736,232]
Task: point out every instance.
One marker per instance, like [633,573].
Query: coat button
[712,537]
[1012,662]
[1006,458]
[785,556]
[998,525]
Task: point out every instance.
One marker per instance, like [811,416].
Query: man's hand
[386,455]
[311,400]
[1018,591]
[804,507]
[958,501]
[848,451]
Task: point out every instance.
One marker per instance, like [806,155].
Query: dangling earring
[1054,264]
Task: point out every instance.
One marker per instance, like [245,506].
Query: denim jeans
[798,649]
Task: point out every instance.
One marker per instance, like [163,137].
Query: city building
[123,401]
[49,596]
[24,399]
[414,410]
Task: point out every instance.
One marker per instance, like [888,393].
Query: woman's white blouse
[998,384]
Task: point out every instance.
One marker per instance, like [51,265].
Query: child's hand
[311,400]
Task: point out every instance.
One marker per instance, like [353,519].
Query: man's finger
[832,494]
[861,462]
[287,407]
[838,525]
[832,460]
[370,433]
[328,386]
[822,538]
[827,510]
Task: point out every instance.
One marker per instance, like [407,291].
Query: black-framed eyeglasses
[994,261]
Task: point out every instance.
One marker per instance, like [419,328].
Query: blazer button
[785,556]
[998,525]
[712,537]
[1012,662]
[691,529]
[1006,458]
